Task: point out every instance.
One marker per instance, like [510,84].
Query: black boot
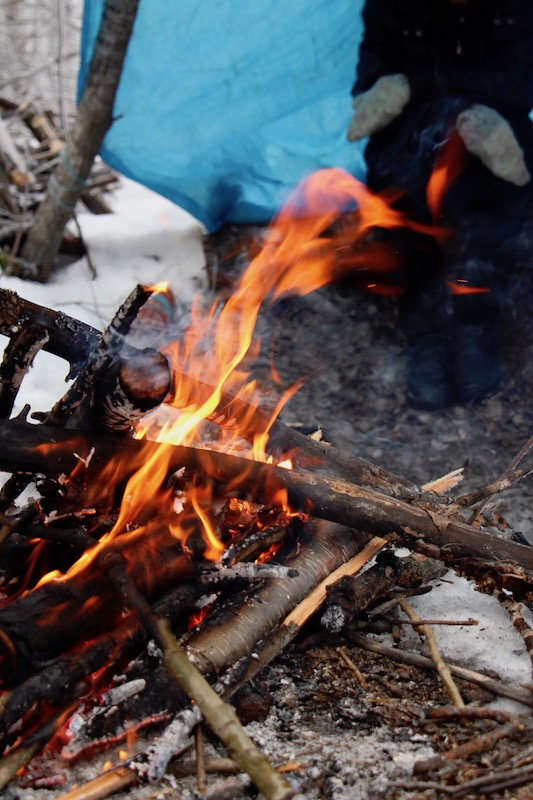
[425,320]
[428,372]
[475,360]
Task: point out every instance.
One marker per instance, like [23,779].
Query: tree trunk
[93,120]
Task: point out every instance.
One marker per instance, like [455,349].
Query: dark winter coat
[454,55]
[478,52]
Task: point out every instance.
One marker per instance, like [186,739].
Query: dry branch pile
[30,147]
[254,548]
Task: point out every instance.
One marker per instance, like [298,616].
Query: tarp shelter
[223,107]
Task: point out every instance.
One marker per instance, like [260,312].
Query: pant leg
[487,215]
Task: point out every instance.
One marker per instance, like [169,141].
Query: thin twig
[354,668]
[507,473]
[200,759]
[486,741]
[416,623]
[495,687]
[442,668]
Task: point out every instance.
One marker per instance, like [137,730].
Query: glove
[378,106]
[487,135]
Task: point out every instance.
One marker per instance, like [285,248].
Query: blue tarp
[223,107]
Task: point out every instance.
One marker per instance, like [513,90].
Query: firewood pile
[148,562]
[31,145]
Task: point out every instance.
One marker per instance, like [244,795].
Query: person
[429,73]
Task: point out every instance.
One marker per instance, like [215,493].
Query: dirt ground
[343,740]
[350,346]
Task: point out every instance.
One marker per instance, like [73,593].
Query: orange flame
[300,254]
[448,167]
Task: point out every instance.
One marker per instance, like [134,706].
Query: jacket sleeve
[505,80]
[381,51]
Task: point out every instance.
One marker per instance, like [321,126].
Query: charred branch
[74,341]
[100,359]
[66,677]
[18,358]
[126,391]
[421,528]
[349,597]
[60,613]
[67,338]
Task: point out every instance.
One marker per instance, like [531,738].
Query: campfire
[181,524]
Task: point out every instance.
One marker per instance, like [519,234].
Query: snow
[147,240]
[492,646]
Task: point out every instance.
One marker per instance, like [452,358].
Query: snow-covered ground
[145,241]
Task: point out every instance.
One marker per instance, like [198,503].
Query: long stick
[75,341]
[328,498]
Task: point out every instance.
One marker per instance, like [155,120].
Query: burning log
[75,341]
[52,618]
[424,529]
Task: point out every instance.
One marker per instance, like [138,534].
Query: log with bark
[51,451]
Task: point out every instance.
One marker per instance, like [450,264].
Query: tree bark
[93,120]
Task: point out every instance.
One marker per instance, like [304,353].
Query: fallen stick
[440,665]
[405,657]
[220,716]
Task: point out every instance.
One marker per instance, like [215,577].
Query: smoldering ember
[195,573]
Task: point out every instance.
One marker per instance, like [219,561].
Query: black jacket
[478,52]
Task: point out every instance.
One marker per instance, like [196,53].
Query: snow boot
[425,321]
[475,363]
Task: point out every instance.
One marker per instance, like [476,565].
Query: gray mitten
[489,136]
[378,106]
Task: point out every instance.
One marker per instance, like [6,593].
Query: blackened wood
[18,358]
[68,338]
[100,359]
[126,391]
[65,677]
[419,527]
[350,596]
[57,615]
[74,341]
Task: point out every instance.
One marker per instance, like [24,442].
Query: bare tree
[93,119]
